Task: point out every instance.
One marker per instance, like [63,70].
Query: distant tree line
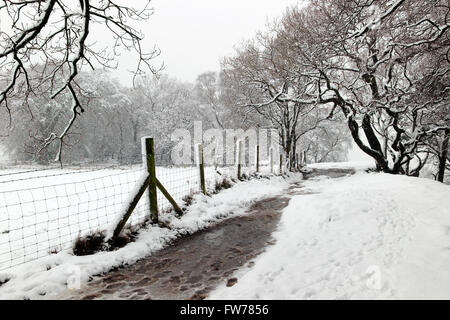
[116,117]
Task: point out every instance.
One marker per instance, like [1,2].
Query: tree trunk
[443,157]
[294,151]
[376,153]
[372,138]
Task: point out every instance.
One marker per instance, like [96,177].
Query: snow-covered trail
[368,236]
[192,265]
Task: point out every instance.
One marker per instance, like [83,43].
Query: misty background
[192,38]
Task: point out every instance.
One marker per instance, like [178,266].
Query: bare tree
[264,74]
[45,44]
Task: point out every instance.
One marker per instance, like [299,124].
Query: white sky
[194,35]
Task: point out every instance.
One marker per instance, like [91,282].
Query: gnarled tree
[384,64]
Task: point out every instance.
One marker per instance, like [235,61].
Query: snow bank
[368,236]
[53,274]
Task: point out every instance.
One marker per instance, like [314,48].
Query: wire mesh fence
[44,211]
[44,214]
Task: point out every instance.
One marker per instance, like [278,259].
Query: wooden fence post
[150,158]
[169,197]
[201,166]
[130,208]
[150,183]
[257,157]
[239,158]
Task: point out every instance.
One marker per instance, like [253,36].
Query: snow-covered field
[44,211]
[368,236]
[51,274]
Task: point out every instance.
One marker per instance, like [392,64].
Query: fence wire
[43,211]
[41,216]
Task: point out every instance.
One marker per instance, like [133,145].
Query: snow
[52,274]
[367,236]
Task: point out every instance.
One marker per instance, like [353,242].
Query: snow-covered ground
[367,236]
[52,274]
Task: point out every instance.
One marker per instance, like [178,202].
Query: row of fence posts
[151,183]
[299,160]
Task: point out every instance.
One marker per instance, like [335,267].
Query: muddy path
[332,173]
[194,265]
